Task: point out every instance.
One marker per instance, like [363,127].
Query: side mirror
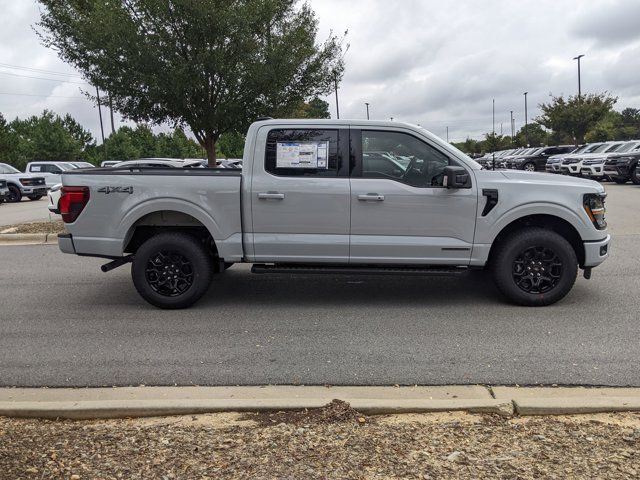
[456,177]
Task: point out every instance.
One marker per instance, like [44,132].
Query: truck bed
[123,199]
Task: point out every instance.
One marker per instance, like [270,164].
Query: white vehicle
[22,184]
[82,164]
[572,165]
[160,163]
[4,190]
[308,200]
[109,163]
[594,167]
[54,197]
[554,162]
[51,171]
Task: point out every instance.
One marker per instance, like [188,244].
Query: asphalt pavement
[25,211]
[64,323]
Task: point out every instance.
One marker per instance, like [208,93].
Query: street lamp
[579,83]
[526,120]
[367,104]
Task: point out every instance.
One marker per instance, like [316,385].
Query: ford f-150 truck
[337,196]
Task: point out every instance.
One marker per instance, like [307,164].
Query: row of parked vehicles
[40,178]
[616,161]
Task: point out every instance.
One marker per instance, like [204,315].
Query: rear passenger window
[302,152]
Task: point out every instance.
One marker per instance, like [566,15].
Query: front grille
[3,184]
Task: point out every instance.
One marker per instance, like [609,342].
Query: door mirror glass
[456,177]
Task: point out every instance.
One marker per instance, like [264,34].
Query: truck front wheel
[172,270]
[534,267]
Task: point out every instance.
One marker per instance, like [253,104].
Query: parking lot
[64,323]
[25,211]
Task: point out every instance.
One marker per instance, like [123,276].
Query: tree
[232,145]
[315,108]
[532,135]
[214,65]
[576,115]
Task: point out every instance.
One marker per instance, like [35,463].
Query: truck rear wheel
[172,270]
[534,267]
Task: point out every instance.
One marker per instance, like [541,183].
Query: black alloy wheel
[169,273]
[537,269]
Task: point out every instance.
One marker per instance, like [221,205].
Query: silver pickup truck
[337,196]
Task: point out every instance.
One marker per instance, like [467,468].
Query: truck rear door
[300,195]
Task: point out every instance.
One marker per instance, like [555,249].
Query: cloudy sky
[432,62]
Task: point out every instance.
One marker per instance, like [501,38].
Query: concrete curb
[154,408]
[118,402]
[28,238]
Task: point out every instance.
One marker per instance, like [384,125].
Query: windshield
[67,166]
[536,151]
[4,168]
[613,148]
[627,147]
[591,148]
[603,147]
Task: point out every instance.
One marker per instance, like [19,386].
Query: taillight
[72,202]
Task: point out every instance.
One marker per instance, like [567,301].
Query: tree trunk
[210,147]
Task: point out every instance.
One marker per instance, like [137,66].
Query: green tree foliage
[532,135]
[231,145]
[315,108]
[576,116]
[131,143]
[214,65]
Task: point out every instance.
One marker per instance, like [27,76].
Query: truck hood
[21,175]
[533,178]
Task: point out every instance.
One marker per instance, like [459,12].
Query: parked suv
[49,170]
[572,165]
[622,166]
[22,184]
[537,160]
[555,161]
[595,167]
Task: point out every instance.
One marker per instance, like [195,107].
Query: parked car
[4,190]
[572,165]
[54,197]
[621,166]
[22,184]
[595,167]
[537,160]
[109,163]
[49,170]
[298,206]
[555,161]
[161,163]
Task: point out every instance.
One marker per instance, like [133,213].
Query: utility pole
[101,124]
[335,82]
[579,81]
[113,128]
[447,134]
[367,104]
[392,119]
[526,120]
[512,126]
[494,117]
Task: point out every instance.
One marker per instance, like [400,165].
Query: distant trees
[575,116]
[214,65]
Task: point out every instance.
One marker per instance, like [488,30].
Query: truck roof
[334,122]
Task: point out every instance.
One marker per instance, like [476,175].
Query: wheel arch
[550,222]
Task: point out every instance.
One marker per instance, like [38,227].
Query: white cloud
[424,61]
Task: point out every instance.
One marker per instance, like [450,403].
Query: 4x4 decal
[109,190]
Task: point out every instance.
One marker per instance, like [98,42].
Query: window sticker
[35,168]
[302,155]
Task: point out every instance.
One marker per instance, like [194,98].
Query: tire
[35,197]
[620,181]
[635,175]
[529,167]
[15,195]
[527,258]
[190,261]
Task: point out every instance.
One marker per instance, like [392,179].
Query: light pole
[335,82]
[494,117]
[367,104]
[579,81]
[447,134]
[512,133]
[526,120]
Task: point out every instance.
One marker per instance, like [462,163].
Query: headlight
[625,159]
[27,181]
[594,206]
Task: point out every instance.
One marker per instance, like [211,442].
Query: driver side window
[401,157]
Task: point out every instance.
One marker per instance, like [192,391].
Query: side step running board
[354,270]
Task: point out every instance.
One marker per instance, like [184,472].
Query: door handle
[371,197]
[271,196]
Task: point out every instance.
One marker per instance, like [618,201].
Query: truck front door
[400,211]
[300,195]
